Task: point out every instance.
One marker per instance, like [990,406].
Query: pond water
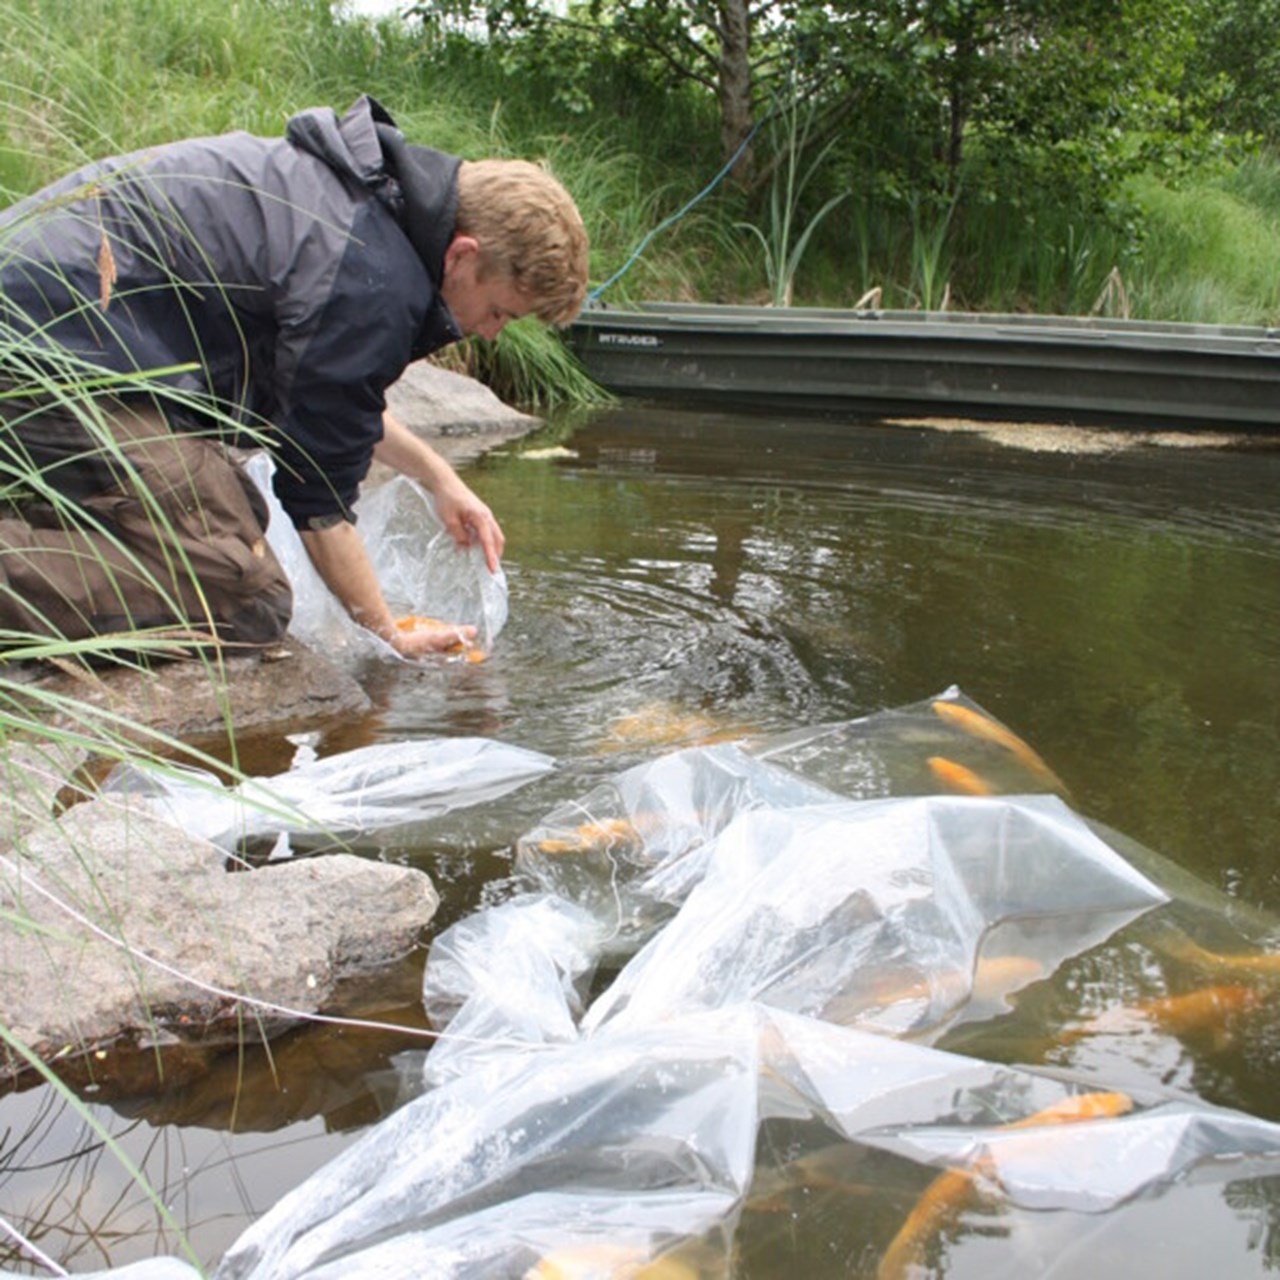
[678,574]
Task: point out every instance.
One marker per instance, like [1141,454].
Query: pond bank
[119,930]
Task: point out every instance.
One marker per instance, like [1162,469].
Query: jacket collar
[428,181]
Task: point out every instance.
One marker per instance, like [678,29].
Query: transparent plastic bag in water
[369,789]
[419,567]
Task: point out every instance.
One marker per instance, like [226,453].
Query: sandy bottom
[1046,437]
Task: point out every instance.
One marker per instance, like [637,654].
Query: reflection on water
[687,576]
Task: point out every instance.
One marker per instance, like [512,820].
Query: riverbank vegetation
[1053,156]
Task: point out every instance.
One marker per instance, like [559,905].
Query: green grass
[1211,250]
[80,78]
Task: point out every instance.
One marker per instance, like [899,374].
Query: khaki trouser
[173,538]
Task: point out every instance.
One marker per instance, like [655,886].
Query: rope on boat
[595,293]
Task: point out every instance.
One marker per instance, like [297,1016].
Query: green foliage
[784,241]
[1235,65]
[985,145]
[1211,251]
[516,367]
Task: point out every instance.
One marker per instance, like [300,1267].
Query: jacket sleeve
[341,342]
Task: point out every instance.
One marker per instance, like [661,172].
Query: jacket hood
[348,145]
[418,184]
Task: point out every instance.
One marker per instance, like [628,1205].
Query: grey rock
[199,698]
[114,924]
[460,417]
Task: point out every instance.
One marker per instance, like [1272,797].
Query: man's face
[479,306]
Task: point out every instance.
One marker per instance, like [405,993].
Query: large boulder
[194,698]
[460,417]
[115,925]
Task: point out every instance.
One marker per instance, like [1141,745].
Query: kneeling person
[271,290]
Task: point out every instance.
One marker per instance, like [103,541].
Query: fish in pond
[601,1261]
[952,1191]
[993,978]
[467,650]
[956,777]
[1262,963]
[662,724]
[588,837]
[1209,1011]
[984,727]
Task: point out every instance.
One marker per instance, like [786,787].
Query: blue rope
[675,217]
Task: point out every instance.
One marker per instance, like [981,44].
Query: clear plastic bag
[946,744]
[419,567]
[369,789]
[725,1085]
[602,1157]
[631,850]
[508,980]
[883,914]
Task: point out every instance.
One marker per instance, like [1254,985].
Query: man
[275,285]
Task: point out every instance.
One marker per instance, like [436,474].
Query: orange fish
[468,650]
[1261,962]
[950,1192]
[1208,1008]
[618,1262]
[590,836]
[955,777]
[993,977]
[664,725]
[1209,1011]
[980,726]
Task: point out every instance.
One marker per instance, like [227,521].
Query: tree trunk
[962,70]
[733,88]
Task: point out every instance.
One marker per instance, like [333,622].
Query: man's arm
[340,558]
[466,518]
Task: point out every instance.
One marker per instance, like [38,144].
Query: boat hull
[937,363]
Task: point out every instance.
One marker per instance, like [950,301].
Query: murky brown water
[676,573]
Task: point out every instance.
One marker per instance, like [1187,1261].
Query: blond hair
[529,232]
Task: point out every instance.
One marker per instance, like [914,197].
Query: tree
[1236,65]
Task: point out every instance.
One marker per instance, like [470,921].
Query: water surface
[676,574]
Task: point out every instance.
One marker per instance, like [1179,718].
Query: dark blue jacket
[300,275]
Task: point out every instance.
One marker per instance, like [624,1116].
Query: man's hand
[433,636]
[465,517]
[428,636]
[468,520]
[339,556]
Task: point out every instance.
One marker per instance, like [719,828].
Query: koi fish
[955,777]
[993,977]
[612,1261]
[468,650]
[1197,1010]
[1210,1010]
[663,725]
[977,725]
[590,836]
[950,1192]
[1259,962]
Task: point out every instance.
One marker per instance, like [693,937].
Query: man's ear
[459,249]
